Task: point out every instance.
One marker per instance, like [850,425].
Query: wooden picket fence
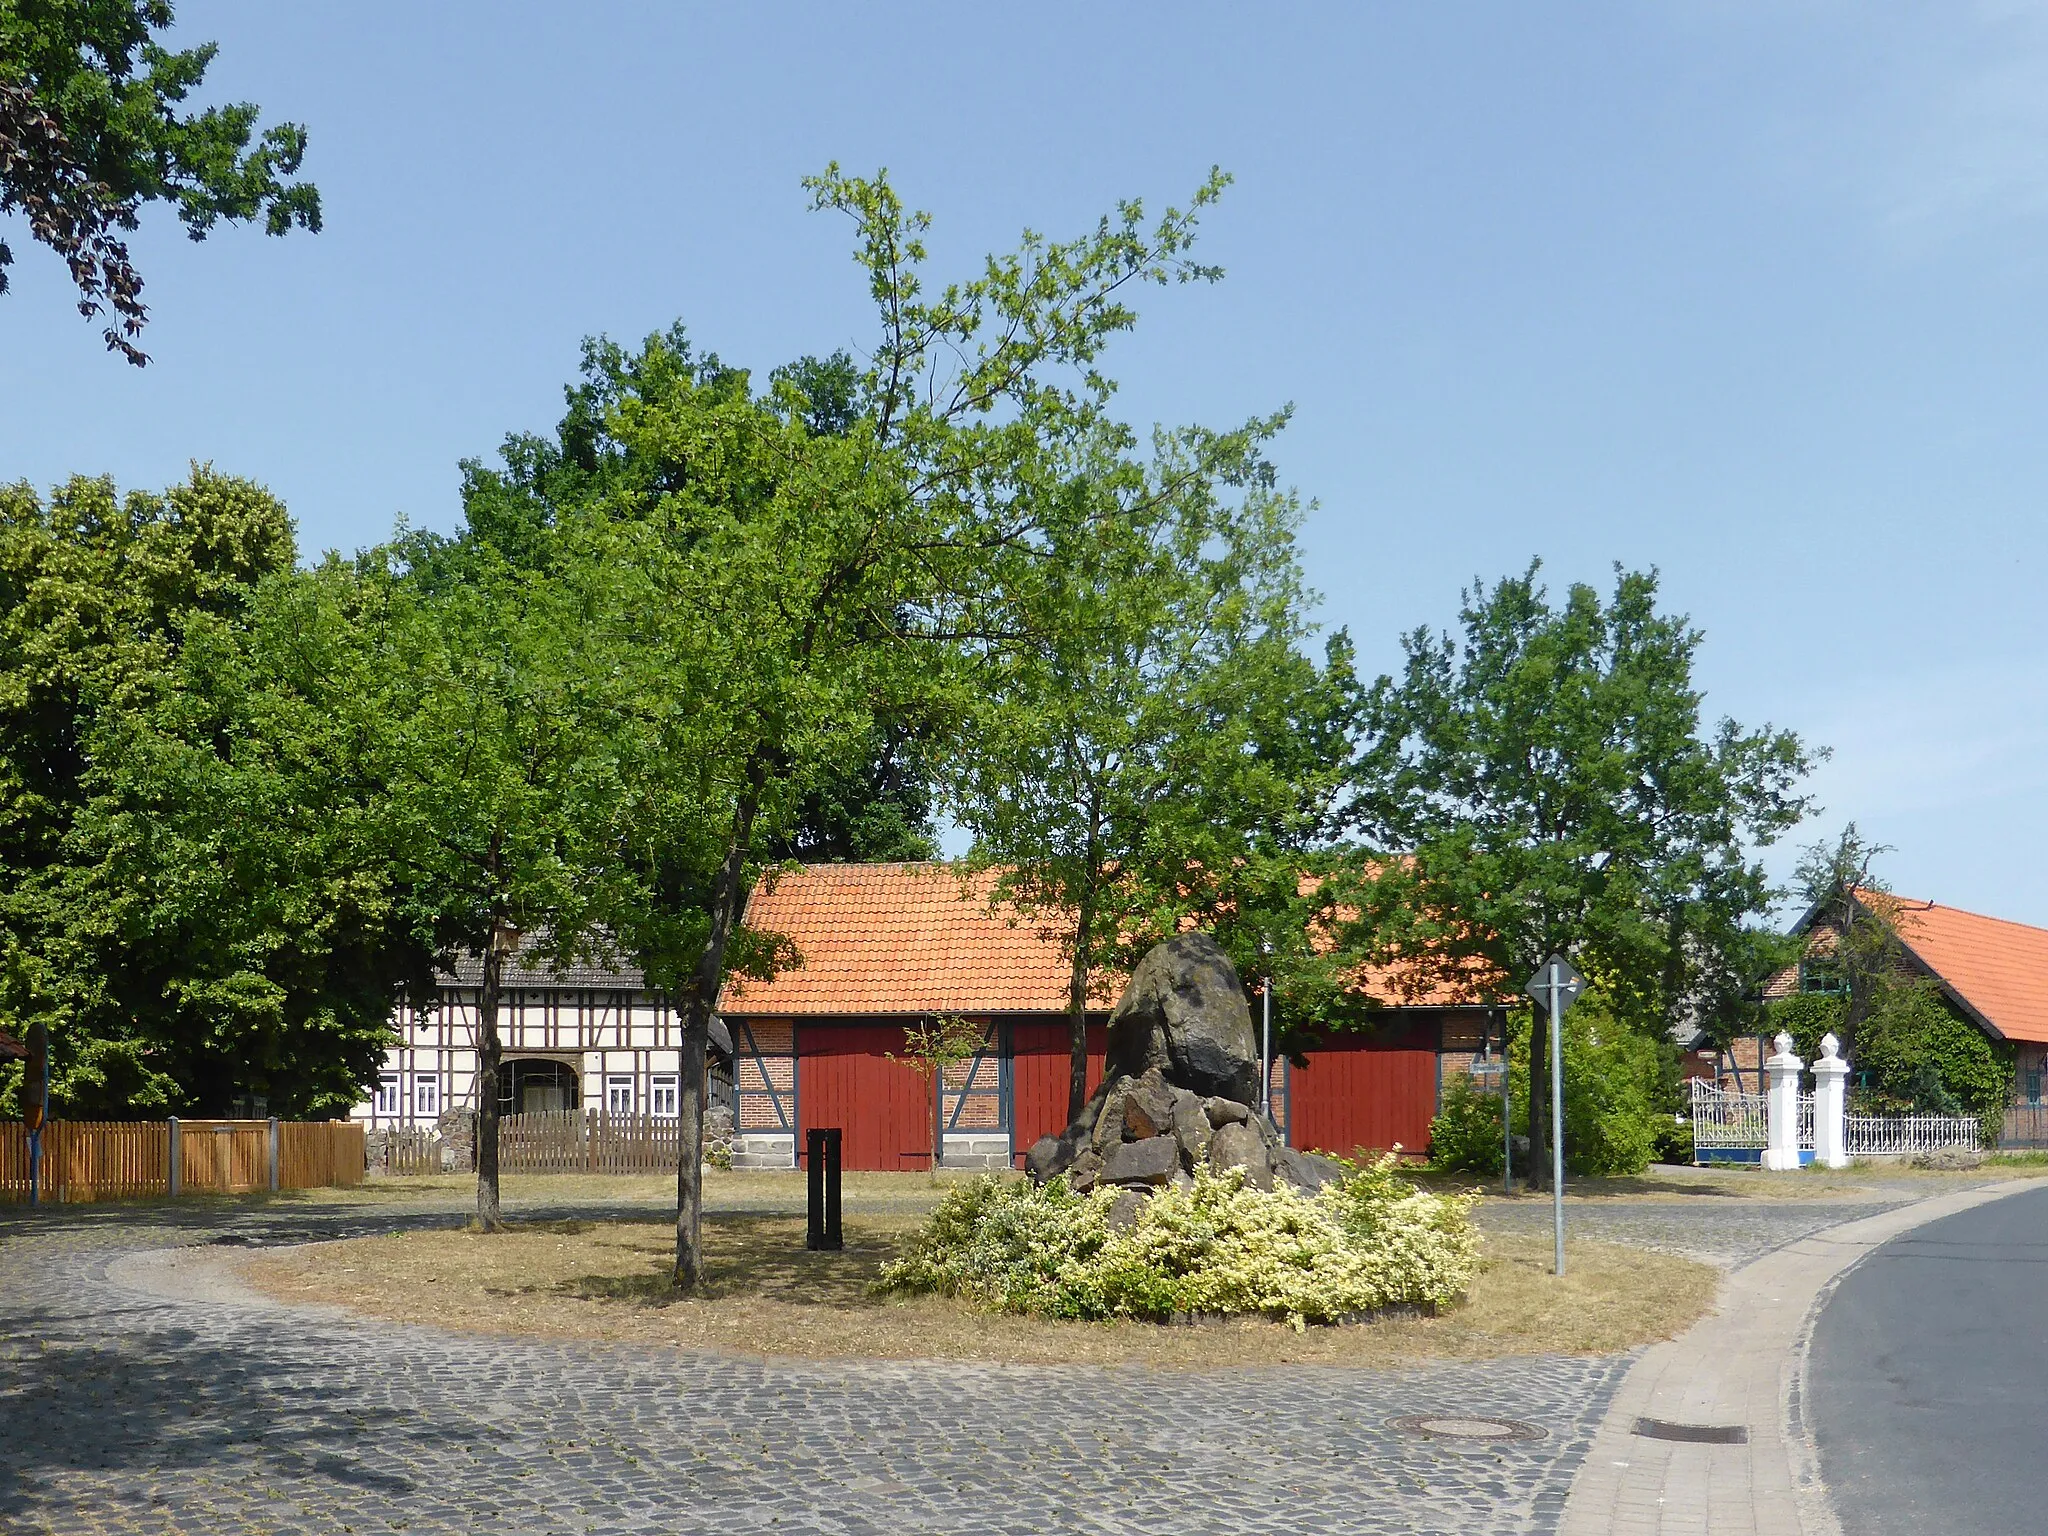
[403,1150]
[586,1141]
[120,1160]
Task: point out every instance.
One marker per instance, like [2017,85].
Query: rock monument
[1180,1087]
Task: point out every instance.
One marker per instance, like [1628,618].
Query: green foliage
[1806,1017]
[90,131]
[1552,778]
[1467,1135]
[1218,1246]
[179,896]
[1551,783]
[1914,1053]
[870,803]
[1613,1089]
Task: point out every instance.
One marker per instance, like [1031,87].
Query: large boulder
[1184,1015]
[1178,1089]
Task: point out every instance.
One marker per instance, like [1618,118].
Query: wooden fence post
[177,1179]
[273,1154]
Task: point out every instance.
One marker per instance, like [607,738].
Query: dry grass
[768,1296]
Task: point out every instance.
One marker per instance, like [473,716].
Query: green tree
[177,899]
[1162,750]
[1613,1110]
[871,802]
[807,564]
[932,1048]
[91,130]
[1851,945]
[1550,785]
[476,718]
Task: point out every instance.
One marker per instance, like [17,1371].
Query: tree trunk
[726,897]
[490,1052]
[1077,1014]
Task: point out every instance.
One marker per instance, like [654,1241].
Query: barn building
[888,945]
[884,947]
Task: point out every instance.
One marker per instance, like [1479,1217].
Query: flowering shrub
[1368,1241]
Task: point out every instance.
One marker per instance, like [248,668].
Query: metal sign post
[1558,986]
[1266,1040]
[1486,1069]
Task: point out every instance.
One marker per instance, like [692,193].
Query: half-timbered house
[1992,972]
[584,1037]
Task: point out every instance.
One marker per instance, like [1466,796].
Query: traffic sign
[1557,974]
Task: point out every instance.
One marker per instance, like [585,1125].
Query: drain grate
[1703,1434]
[1458,1426]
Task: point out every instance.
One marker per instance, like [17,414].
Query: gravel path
[137,1394]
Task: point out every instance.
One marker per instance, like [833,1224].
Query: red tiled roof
[1999,968]
[11,1049]
[901,938]
[920,938]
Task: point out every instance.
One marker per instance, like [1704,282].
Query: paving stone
[122,1410]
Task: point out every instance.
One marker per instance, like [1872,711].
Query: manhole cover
[1458,1426]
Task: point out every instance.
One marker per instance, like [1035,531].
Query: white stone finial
[1830,1046]
[1783,1043]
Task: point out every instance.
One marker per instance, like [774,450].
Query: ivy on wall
[1914,1054]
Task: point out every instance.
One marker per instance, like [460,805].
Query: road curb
[1744,1368]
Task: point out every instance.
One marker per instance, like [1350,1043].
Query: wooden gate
[1039,1067]
[587,1141]
[1365,1093]
[844,1078]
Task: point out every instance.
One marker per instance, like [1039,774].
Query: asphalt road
[1929,1378]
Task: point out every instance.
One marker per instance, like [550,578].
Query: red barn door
[845,1078]
[1365,1092]
[1038,1079]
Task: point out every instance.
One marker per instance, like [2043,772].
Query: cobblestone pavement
[126,1405]
[1723,1231]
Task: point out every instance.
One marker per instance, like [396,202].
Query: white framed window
[386,1102]
[618,1095]
[663,1104]
[426,1096]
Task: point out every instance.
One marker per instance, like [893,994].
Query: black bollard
[822,1148]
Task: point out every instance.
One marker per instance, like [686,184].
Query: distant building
[587,1037]
[1992,971]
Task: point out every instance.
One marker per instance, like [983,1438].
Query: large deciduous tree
[806,565]
[468,702]
[178,900]
[91,130]
[1549,780]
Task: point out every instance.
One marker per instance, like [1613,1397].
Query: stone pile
[1179,1088]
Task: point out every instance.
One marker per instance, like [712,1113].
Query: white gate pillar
[1781,1138]
[1831,1105]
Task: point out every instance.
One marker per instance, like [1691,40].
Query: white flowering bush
[1219,1246]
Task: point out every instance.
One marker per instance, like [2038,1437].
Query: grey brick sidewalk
[123,1409]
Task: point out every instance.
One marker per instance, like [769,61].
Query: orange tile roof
[900,938]
[1998,968]
[920,938]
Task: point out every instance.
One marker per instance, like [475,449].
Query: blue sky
[1751,293]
